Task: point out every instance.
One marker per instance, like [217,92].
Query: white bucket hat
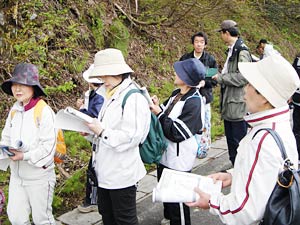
[109,62]
[87,73]
[273,77]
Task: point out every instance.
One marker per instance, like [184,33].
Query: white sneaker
[165,221]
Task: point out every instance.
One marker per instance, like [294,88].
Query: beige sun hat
[109,62]
[273,77]
[87,73]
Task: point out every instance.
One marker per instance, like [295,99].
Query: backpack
[155,143]
[283,205]
[61,148]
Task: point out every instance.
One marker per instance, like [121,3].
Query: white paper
[72,119]
[176,186]
[146,95]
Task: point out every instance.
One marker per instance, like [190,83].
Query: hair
[36,92]
[263,41]
[97,84]
[200,34]
[125,76]
[233,31]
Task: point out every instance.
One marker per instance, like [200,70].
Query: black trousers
[91,186]
[118,206]
[296,127]
[172,210]
[234,132]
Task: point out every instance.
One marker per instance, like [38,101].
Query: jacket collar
[268,116]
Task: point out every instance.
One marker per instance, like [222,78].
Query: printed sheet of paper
[72,119]
[176,186]
[4,161]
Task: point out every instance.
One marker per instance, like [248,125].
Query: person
[296,104]
[118,132]
[90,105]
[267,48]
[181,119]
[232,104]
[260,51]
[271,83]
[199,41]
[32,178]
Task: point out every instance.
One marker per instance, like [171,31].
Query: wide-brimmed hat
[109,62]
[26,74]
[227,24]
[190,71]
[86,74]
[273,77]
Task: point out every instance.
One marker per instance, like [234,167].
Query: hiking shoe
[201,154]
[86,208]
[165,221]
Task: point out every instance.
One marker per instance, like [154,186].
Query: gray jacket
[232,105]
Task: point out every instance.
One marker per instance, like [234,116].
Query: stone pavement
[146,185]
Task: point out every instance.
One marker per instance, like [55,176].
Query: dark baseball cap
[227,24]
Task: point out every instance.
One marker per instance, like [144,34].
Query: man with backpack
[232,82]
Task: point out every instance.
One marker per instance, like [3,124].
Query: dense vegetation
[62,36]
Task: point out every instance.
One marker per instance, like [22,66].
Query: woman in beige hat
[272,81]
[31,146]
[118,132]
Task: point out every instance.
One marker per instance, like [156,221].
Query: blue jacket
[94,105]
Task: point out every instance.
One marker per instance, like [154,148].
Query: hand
[226,178]
[95,126]
[215,77]
[18,155]
[155,100]
[203,200]
[155,109]
[201,84]
[79,103]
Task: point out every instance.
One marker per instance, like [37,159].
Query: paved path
[146,185]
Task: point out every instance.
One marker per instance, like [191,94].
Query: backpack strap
[279,143]
[37,114]
[127,95]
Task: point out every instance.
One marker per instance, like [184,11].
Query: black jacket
[209,61]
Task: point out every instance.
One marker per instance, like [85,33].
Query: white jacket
[39,144]
[256,169]
[117,160]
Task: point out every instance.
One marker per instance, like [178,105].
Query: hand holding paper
[176,186]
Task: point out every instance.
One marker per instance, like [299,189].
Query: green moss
[119,36]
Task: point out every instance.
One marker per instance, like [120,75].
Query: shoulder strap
[127,95]
[277,140]
[12,114]
[37,114]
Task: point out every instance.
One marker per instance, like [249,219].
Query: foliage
[119,36]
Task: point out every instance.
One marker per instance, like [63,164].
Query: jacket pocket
[235,110]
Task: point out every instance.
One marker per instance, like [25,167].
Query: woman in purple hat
[31,147]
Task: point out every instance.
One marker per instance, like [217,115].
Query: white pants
[35,199]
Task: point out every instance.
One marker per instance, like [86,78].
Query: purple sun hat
[26,74]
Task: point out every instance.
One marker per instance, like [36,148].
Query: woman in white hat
[272,81]
[119,132]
